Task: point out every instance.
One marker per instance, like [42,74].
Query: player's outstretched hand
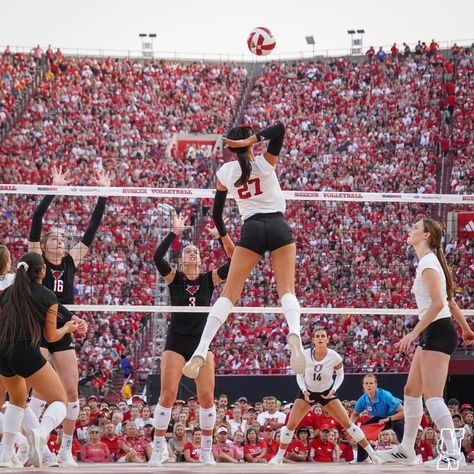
[60,178]
[179,223]
[213,232]
[102,178]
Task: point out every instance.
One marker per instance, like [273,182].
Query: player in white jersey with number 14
[254,185]
[317,385]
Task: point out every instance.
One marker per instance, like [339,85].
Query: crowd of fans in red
[107,432]
[372,126]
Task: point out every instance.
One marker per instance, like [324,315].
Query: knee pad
[162,417]
[221,309]
[356,433]
[437,408]
[412,406]
[207,418]
[286,435]
[289,302]
[72,410]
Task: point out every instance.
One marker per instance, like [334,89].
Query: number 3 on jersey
[245,192]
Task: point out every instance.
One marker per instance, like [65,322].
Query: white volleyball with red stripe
[261,41]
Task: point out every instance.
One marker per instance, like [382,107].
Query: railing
[227,57]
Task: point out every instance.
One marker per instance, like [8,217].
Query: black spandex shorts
[22,360]
[315,397]
[439,336]
[64,344]
[184,345]
[263,232]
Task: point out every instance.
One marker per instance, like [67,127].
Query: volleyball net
[354,270]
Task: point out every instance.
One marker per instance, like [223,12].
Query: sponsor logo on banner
[42,188]
[465,225]
[467,198]
[430,197]
[392,196]
[8,187]
[343,195]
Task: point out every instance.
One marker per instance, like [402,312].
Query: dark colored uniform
[60,280]
[440,336]
[23,359]
[185,329]
[265,232]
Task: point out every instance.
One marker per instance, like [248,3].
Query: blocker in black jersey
[60,280]
[185,329]
[23,359]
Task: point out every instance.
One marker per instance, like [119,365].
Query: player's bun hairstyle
[241,133]
[436,234]
[21,315]
[4,255]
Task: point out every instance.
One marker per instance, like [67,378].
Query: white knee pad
[437,408]
[221,309]
[412,406]
[356,433]
[286,435]
[207,418]
[72,410]
[162,417]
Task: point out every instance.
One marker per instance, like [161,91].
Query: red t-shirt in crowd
[255,449]
[425,449]
[272,449]
[297,447]
[95,453]
[54,446]
[113,446]
[347,452]
[322,452]
[194,450]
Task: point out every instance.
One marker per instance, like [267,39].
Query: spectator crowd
[381,125]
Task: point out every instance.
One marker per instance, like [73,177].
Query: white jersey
[6,281]
[318,375]
[423,299]
[262,193]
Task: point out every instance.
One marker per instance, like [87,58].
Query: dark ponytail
[21,314]
[241,133]
[436,233]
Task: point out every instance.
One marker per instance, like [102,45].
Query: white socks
[413,411]
[217,317]
[206,443]
[292,312]
[358,435]
[441,416]
[53,416]
[37,405]
[11,426]
[30,420]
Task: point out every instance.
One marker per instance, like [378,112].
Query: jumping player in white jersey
[253,183]
[318,386]
[433,288]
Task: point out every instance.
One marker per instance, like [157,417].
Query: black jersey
[60,279]
[186,292]
[44,297]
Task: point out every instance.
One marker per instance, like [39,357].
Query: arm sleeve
[223,271]
[301,382]
[94,223]
[275,134]
[339,379]
[161,264]
[37,221]
[217,211]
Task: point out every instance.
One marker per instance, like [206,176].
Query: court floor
[182,468]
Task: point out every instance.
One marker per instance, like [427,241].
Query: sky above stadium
[213,26]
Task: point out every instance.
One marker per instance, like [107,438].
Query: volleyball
[261,41]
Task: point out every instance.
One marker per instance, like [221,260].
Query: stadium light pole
[310,41]
[351,33]
[147,44]
[361,32]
